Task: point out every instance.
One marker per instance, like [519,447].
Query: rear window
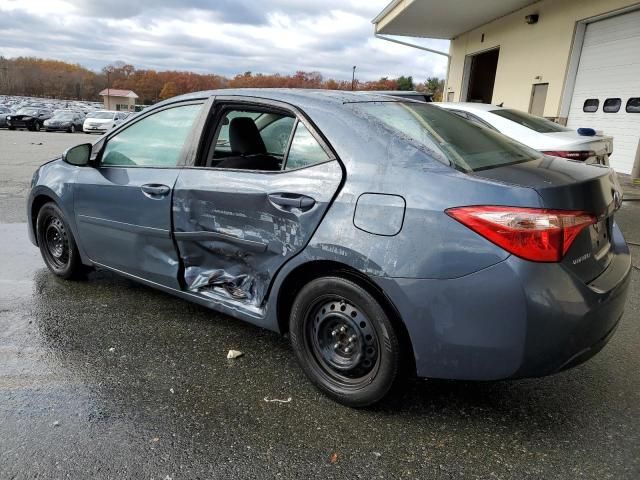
[538,124]
[454,140]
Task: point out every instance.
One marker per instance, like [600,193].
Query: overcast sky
[214,36]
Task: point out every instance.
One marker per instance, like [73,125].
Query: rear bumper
[514,319]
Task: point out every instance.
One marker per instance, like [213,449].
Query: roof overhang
[441,19]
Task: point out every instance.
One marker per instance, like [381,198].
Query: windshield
[538,124]
[27,111]
[100,115]
[460,143]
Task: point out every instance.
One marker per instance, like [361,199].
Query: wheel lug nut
[335,346]
[334,333]
[343,329]
[352,339]
[347,350]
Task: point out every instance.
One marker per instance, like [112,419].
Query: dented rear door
[234,229]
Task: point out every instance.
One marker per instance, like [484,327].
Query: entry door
[235,228]
[538,99]
[481,76]
[123,205]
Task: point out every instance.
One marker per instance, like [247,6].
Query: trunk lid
[568,185]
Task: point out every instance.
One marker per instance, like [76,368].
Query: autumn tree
[434,86]
[170,89]
[53,78]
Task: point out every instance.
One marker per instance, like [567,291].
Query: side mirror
[78,155]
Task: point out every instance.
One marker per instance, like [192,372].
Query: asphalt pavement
[105,379]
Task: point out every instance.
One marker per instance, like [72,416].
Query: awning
[441,18]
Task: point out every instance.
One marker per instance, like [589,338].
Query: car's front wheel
[56,242]
[344,341]
[72,129]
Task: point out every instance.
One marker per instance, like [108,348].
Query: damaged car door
[123,201]
[261,188]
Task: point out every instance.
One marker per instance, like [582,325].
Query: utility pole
[353,78]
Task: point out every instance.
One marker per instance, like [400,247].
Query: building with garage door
[574,61]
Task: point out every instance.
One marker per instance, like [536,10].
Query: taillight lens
[539,235]
[581,155]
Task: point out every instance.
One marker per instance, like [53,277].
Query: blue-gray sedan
[386,236]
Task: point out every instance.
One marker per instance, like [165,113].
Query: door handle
[292,200]
[155,190]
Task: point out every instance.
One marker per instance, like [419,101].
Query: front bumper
[20,124]
[57,128]
[99,129]
[514,319]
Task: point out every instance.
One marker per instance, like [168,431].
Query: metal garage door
[609,69]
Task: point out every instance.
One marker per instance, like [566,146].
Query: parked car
[66,121]
[102,121]
[385,236]
[4,111]
[548,137]
[31,118]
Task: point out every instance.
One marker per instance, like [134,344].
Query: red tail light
[534,234]
[581,155]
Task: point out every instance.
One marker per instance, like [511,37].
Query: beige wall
[113,101]
[529,51]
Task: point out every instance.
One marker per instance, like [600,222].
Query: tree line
[39,77]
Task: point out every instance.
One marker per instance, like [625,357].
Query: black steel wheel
[57,245]
[344,341]
[56,242]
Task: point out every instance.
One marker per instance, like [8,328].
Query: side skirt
[253,315]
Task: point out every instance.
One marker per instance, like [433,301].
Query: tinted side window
[611,105]
[155,141]
[305,150]
[633,105]
[591,105]
[479,121]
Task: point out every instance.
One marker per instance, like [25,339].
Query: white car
[102,121]
[584,144]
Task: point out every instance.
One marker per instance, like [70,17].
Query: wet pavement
[105,378]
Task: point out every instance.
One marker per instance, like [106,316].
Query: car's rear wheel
[57,245]
[344,341]
[36,127]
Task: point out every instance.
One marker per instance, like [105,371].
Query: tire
[344,341]
[72,129]
[36,127]
[57,245]
[12,128]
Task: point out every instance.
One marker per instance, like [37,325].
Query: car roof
[471,106]
[296,96]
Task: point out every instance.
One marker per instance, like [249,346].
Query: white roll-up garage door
[609,72]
